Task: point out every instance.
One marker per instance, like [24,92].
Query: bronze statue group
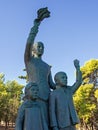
[47,105]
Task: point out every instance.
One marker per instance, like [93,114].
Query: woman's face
[38,48]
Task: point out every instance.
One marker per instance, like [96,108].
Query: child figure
[61,108]
[29,114]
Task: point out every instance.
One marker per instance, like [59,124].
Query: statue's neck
[37,57]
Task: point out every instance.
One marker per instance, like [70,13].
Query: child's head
[60,79]
[31,91]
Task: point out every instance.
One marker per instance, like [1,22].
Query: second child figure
[63,115]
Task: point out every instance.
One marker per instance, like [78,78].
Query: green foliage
[84,102]
[3,94]
[14,91]
[89,67]
[10,99]
[96,93]
[23,77]
[86,97]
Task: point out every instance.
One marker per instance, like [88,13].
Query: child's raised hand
[76,64]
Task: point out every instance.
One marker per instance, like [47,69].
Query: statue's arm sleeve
[52,111]
[50,81]
[78,82]
[30,41]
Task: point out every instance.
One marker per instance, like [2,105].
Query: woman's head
[38,49]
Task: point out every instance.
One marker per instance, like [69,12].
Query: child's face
[33,92]
[62,79]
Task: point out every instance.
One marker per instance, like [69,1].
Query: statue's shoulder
[55,92]
[46,64]
[69,87]
[24,104]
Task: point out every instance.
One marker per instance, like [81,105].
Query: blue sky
[70,33]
